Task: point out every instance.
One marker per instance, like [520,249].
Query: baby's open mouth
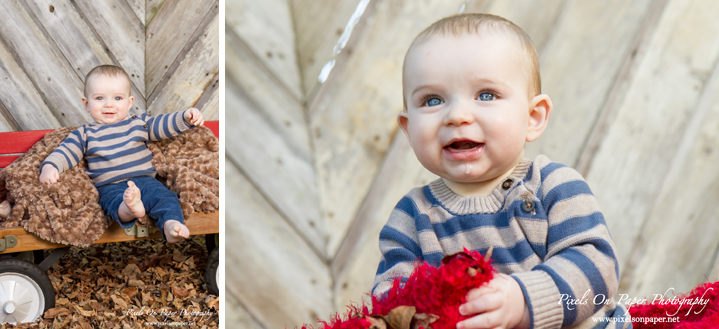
[462,145]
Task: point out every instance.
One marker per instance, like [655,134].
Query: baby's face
[467,105]
[108,98]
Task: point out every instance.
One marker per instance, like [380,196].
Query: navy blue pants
[160,203]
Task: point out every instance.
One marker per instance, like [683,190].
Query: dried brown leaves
[131,285]
[402,317]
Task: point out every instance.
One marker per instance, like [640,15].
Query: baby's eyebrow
[422,87]
[491,81]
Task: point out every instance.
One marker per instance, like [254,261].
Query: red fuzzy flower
[435,293]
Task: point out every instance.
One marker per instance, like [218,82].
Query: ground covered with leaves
[141,284]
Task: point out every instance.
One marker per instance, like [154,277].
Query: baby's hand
[497,304]
[49,174]
[193,117]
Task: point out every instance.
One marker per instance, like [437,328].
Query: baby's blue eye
[434,101]
[487,97]
[118,98]
[99,98]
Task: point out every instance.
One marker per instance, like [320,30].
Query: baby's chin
[460,176]
[465,172]
[471,174]
[109,120]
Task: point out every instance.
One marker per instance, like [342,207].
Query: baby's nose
[458,114]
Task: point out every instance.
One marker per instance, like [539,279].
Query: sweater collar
[484,204]
[108,125]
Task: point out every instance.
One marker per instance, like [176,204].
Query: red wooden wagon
[25,288]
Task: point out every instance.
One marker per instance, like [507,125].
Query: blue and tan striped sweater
[547,231]
[116,151]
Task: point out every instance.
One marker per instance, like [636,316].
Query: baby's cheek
[512,137]
[429,160]
[420,138]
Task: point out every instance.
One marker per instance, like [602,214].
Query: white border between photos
[221,245]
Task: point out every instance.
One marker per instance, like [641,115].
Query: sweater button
[507,184]
[134,116]
[528,205]
[145,125]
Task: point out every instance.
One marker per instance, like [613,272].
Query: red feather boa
[440,291]
[431,290]
[680,309]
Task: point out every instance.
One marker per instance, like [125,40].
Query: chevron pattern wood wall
[170,48]
[313,169]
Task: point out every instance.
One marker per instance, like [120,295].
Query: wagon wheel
[25,291]
[212,276]
[210,242]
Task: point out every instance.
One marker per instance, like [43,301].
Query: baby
[118,160]
[472,99]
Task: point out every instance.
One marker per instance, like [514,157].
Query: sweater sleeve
[69,152]
[580,270]
[165,125]
[399,247]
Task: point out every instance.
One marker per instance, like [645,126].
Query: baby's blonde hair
[462,24]
[107,70]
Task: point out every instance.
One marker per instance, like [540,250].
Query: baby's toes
[181,231]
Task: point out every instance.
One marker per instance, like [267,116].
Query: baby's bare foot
[175,231]
[132,200]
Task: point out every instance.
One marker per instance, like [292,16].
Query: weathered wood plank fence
[169,48]
[314,168]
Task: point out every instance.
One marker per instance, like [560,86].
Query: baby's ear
[84,103]
[403,121]
[540,107]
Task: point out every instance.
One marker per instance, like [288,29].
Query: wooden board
[682,224]
[270,269]
[621,85]
[318,26]
[641,144]
[537,19]
[151,9]
[355,264]
[353,116]
[168,33]
[269,140]
[78,45]
[193,76]
[714,273]
[266,27]
[197,223]
[33,52]
[138,6]
[580,64]
[233,312]
[47,47]
[127,49]
[210,108]
[18,96]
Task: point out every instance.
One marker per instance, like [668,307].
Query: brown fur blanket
[68,211]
